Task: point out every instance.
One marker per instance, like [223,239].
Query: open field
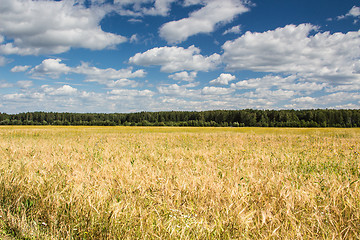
[179,183]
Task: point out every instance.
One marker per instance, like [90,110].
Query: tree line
[215,118]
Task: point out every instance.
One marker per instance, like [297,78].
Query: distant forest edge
[215,118]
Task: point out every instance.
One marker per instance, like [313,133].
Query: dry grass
[179,183]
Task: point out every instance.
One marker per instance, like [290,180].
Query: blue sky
[161,55]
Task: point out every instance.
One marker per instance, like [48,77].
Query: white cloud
[135,8]
[130,94]
[193,2]
[354,12]
[271,95]
[340,100]
[135,20]
[304,100]
[292,82]
[121,83]
[134,38]
[25,84]
[3,61]
[344,98]
[161,7]
[176,90]
[52,68]
[203,20]
[110,77]
[304,86]
[4,84]
[20,68]
[348,106]
[66,98]
[184,76]
[107,76]
[235,30]
[39,27]
[267,81]
[64,90]
[173,59]
[62,99]
[216,91]
[13,96]
[292,50]
[223,79]
[191,84]
[344,87]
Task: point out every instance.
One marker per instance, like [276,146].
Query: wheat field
[179,183]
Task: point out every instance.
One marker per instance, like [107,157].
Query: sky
[125,56]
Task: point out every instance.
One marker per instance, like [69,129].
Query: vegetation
[222,118]
[179,183]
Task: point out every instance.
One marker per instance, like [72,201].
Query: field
[179,183]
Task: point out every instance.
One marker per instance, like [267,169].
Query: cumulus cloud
[291,82]
[40,27]
[20,68]
[305,86]
[223,79]
[216,91]
[267,81]
[271,95]
[235,30]
[134,38]
[161,7]
[345,97]
[110,77]
[132,93]
[184,76]
[176,90]
[124,82]
[108,73]
[303,103]
[52,68]
[3,61]
[343,87]
[64,90]
[292,50]
[135,8]
[135,99]
[174,59]
[25,84]
[13,96]
[193,2]
[203,20]
[354,12]
[66,98]
[304,100]
[347,100]
[348,106]
[61,99]
[4,84]
[139,8]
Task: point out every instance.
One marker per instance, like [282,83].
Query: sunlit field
[179,183]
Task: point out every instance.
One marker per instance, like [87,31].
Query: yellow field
[179,183]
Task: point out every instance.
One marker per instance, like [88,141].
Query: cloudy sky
[159,55]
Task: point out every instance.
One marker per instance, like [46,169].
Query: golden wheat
[179,183]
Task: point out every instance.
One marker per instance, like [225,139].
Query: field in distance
[179,183]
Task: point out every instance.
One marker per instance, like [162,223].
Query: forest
[214,118]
